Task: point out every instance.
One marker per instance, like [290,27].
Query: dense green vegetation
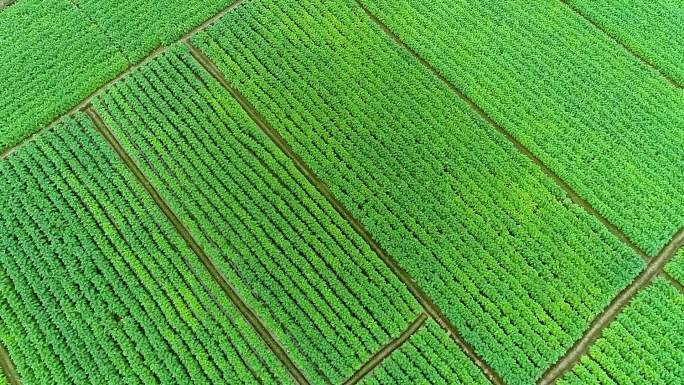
[57,52]
[597,116]
[651,29]
[644,345]
[518,268]
[429,357]
[155,23]
[306,273]
[676,266]
[52,58]
[98,288]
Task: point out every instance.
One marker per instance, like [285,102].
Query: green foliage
[651,29]
[139,26]
[52,58]
[313,281]
[98,287]
[676,266]
[518,268]
[600,119]
[429,357]
[643,346]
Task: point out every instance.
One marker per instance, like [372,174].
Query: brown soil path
[7,367]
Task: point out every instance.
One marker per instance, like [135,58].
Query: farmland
[341,192]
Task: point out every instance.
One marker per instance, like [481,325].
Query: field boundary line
[574,197]
[387,350]
[7,367]
[619,302]
[234,297]
[620,44]
[151,56]
[324,190]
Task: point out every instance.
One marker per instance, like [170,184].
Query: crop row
[517,268]
[429,357]
[98,287]
[57,52]
[593,113]
[644,345]
[676,266]
[312,280]
[651,30]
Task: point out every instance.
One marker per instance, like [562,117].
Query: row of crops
[518,268]
[97,286]
[57,52]
[644,345]
[428,357]
[649,29]
[313,281]
[597,116]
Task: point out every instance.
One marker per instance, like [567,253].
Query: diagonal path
[7,367]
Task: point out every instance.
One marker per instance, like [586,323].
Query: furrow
[7,367]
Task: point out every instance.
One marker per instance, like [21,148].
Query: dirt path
[604,319]
[387,350]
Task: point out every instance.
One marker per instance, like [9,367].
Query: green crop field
[342,192]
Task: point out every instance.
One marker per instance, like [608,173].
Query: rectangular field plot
[52,58]
[312,280]
[644,345]
[515,265]
[429,357]
[603,121]
[98,288]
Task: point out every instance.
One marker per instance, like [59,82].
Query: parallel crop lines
[655,264]
[646,61]
[324,190]
[273,344]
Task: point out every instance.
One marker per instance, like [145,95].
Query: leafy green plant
[516,266]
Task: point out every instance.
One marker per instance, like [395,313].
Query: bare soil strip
[265,334]
[618,42]
[608,315]
[7,367]
[85,102]
[323,189]
[387,350]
